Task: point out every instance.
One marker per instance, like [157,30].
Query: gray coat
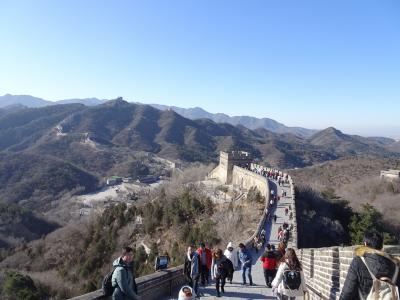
[123,281]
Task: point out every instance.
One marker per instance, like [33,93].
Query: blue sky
[304,63]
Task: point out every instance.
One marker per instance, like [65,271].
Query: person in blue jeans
[246,260]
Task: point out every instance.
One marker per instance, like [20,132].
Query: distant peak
[333,130]
[117,102]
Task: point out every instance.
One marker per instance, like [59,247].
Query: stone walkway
[236,291]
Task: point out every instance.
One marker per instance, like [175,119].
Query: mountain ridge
[190,113]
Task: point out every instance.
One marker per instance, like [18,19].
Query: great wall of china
[325,268]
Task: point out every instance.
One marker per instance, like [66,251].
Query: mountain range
[247,121]
[30,101]
[51,150]
[190,113]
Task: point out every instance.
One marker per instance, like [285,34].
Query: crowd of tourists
[282,270]
[373,274]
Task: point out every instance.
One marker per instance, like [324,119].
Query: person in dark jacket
[123,279]
[359,281]
[221,269]
[269,265]
[191,269]
[205,255]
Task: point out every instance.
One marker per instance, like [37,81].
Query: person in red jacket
[205,255]
[269,265]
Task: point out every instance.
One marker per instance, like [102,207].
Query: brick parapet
[326,269]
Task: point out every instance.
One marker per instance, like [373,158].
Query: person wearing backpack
[269,265]
[123,279]
[372,267]
[289,281]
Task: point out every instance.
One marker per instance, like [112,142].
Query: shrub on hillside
[254,195]
[18,286]
[321,222]
[368,219]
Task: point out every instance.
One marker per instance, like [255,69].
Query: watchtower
[227,160]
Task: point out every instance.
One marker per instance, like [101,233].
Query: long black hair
[292,260]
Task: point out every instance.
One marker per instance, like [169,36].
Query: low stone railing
[325,269]
[150,287]
[294,239]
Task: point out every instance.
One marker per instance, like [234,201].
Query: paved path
[236,291]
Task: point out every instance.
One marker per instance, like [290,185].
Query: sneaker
[244,283]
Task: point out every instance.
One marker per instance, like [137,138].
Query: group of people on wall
[282,270]
[373,273]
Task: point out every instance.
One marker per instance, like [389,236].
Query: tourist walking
[123,278]
[269,265]
[289,281]
[263,237]
[256,243]
[280,252]
[371,267]
[280,232]
[232,255]
[191,269]
[275,218]
[245,259]
[205,255]
[221,268]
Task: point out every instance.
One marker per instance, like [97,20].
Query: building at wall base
[391,174]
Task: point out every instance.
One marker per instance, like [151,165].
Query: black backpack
[106,285]
[291,279]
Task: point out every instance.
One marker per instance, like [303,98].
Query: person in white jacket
[289,274]
[186,293]
[232,255]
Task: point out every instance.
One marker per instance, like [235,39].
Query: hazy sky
[309,63]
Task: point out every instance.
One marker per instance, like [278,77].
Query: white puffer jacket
[182,295]
[277,283]
[232,255]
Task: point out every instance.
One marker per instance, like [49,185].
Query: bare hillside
[356,179]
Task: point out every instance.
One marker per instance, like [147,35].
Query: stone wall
[246,179]
[294,237]
[151,287]
[220,173]
[325,269]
